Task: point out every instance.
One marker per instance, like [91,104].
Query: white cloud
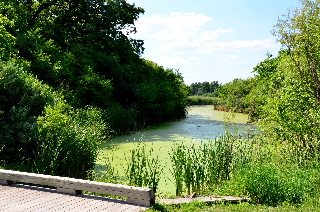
[212,35]
[188,33]
[158,25]
[242,44]
[178,31]
[228,57]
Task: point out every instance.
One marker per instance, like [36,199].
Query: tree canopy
[67,63]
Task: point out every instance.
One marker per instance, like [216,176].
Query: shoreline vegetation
[217,102]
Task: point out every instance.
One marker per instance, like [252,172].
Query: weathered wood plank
[136,195]
[29,198]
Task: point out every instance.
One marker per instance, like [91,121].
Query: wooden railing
[135,195]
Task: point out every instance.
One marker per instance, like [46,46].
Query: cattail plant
[197,166]
[143,169]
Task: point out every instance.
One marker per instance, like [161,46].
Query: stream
[201,123]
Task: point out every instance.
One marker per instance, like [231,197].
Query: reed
[198,166]
[143,169]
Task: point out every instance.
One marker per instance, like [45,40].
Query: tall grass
[198,166]
[144,168]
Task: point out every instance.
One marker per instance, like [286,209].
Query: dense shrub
[271,184]
[123,120]
[22,98]
[68,140]
[41,131]
[233,95]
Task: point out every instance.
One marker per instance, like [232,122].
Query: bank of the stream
[202,123]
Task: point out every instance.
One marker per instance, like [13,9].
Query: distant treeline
[209,89]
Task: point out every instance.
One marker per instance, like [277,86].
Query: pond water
[201,123]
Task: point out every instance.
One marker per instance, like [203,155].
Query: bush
[234,94]
[124,120]
[22,98]
[273,185]
[69,140]
[45,134]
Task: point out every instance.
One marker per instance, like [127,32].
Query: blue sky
[210,40]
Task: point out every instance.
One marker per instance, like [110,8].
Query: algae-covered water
[202,123]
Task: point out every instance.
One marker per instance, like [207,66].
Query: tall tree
[298,32]
[75,44]
[292,109]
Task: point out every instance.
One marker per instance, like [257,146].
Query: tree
[234,94]
[7,40]
[205,88]
[69,42]
[299,33]
[292,109]
[83,50]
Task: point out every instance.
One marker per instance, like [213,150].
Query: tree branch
[42,7]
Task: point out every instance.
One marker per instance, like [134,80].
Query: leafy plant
[272,184]
[69,140]
[23,98]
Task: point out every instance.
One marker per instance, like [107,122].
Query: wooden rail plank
[33,199]
[136,195]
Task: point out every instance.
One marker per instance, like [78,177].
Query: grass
[197,166]
[242,207]
[144,169]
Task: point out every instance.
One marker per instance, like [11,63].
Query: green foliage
[162,94]
[83,50]
[22,98]
[93,89]
[291,112]
[205,89]
[202,100]
[7,40]
[43,132]
[242,207]
[272,184]
[298,33]
[250,95]
[233,94]
[124,120]
[68,140]
[75,72]
[198,167]
[183,207]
